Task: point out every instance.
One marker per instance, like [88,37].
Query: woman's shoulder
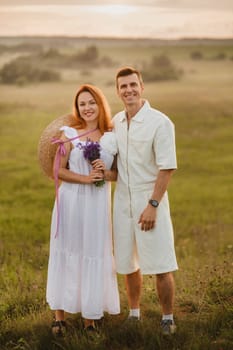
[69,131]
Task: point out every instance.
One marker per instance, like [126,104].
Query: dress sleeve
[164,146]
[69,132]
[109,143]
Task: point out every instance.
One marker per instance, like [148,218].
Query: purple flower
[91,152]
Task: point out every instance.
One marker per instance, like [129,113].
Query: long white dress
[81,270]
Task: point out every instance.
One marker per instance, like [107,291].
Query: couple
[139,154]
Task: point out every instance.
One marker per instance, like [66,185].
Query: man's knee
[167,276]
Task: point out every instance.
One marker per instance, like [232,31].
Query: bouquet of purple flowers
[91,152]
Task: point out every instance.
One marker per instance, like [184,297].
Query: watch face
[154,202]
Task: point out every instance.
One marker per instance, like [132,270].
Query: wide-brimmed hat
[46,149]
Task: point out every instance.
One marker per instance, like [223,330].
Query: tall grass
[201,195]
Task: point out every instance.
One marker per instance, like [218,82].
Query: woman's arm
[108,175]
[67,175]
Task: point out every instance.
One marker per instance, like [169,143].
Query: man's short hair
[124,71]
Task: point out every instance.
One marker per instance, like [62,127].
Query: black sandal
[92,332]
[90,328]
[59,328]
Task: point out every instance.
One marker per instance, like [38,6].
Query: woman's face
[88,107]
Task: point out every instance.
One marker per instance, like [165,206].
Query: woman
[81,273]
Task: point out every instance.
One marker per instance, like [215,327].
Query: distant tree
[20,72]
[52,58]
[90,55]
[196,55]
[160,68]
[220,56]
[51,53]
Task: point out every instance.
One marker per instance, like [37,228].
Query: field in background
[201,195]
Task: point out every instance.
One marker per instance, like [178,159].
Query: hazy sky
[124,18]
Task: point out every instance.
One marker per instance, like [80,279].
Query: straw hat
[47,150]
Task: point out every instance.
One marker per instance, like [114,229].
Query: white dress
[81,270]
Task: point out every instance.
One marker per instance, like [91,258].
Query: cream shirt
[145,148]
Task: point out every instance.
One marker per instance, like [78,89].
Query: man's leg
[133,282]
[166,293]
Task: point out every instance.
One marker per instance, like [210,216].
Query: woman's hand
[98,164]
[95,175]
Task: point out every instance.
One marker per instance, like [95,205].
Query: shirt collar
[139,116]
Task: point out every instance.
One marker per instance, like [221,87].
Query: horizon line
[110,37]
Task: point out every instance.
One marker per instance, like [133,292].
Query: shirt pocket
[141,149]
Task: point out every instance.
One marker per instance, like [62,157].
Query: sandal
[92,332]
[90,329]
[59,328]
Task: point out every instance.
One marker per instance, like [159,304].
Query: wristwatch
[154,203]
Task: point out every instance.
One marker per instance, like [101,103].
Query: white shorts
[151,251]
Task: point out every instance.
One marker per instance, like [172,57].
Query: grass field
[201,196]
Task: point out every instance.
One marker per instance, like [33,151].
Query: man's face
[130,89]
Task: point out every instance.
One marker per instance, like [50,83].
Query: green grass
[201,195]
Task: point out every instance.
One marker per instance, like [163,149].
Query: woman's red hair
[104,118]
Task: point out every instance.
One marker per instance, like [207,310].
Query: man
[143,233]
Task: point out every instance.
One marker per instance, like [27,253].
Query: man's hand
[148,218]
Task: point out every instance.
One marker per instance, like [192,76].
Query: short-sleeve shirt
[145,148]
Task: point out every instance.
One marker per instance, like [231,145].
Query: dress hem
[87,316]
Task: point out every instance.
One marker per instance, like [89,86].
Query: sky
[168,19]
